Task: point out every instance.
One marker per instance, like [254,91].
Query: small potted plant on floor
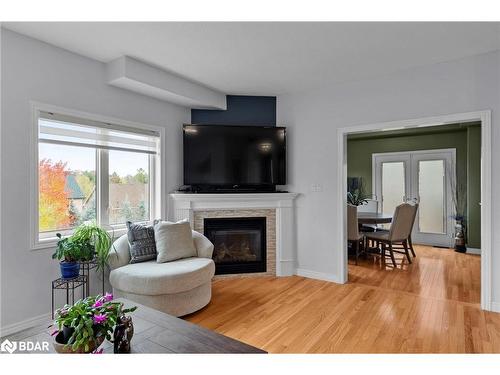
[83,327]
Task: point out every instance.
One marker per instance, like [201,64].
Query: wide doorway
[424,163]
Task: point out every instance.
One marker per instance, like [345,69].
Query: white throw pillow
[173,241]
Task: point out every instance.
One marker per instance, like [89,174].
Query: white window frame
[157,184]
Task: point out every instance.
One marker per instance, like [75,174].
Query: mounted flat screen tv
[219,157]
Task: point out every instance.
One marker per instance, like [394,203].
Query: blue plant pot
[69,270]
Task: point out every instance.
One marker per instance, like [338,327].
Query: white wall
[312,118]
[32,70]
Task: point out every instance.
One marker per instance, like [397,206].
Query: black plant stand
[69,285]
[83,280]
[85,268]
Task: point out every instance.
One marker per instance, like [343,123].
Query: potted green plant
[96,237]
[355,192]
[88,241]
[69,252]
[82,327]
[356,198]
[458,194]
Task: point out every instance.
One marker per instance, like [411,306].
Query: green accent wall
[465,138]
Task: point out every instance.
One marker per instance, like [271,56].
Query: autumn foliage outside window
[53,197]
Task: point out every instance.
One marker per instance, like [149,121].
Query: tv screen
[234,155]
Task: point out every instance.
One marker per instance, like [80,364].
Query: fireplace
[239,244]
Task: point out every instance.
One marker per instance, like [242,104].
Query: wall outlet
[316,188]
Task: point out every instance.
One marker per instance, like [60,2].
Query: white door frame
[411,186]
[486,240]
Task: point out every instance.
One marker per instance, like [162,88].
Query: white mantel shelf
[245,200]
[185,205]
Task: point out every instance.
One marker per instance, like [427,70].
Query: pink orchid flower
[97,304]
[108,297]
[100,318]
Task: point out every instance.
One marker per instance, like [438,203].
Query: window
[129,187]
[89,170]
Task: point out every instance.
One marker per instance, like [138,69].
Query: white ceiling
[271,58]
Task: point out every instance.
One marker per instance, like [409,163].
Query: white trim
[36,107]
[229,201]
[486,240]
[429,151]
[25,324]
[495,306]
[102,189]
[473,250]
[317,275]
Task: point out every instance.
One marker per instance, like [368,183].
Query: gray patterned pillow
[141,239]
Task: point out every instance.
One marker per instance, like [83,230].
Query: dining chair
[398,234]
[371,205]
[410,242]
[354,237]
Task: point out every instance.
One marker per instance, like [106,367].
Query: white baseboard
[495,306]
[473,250]
[286,267]
[317,275]
[25,324]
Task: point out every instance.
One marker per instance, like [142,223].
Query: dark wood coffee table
[156,332]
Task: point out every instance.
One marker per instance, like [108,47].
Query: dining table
[374,218]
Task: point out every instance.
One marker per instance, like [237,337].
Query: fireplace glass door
[239,244]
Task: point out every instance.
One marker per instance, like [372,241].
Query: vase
[69,270]
[459,238]
[66,349]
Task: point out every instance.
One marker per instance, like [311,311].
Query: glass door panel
[432,195]
[393,186]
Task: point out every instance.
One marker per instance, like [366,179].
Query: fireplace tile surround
[277,208]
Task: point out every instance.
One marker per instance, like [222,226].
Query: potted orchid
[83,327]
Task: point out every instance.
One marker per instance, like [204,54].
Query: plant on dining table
[356,198]
[90,321]
[356,195]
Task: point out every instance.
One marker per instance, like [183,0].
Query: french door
[422,177]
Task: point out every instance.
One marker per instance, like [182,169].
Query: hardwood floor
[430,306]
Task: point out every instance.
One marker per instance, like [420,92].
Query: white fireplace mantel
[184,206]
